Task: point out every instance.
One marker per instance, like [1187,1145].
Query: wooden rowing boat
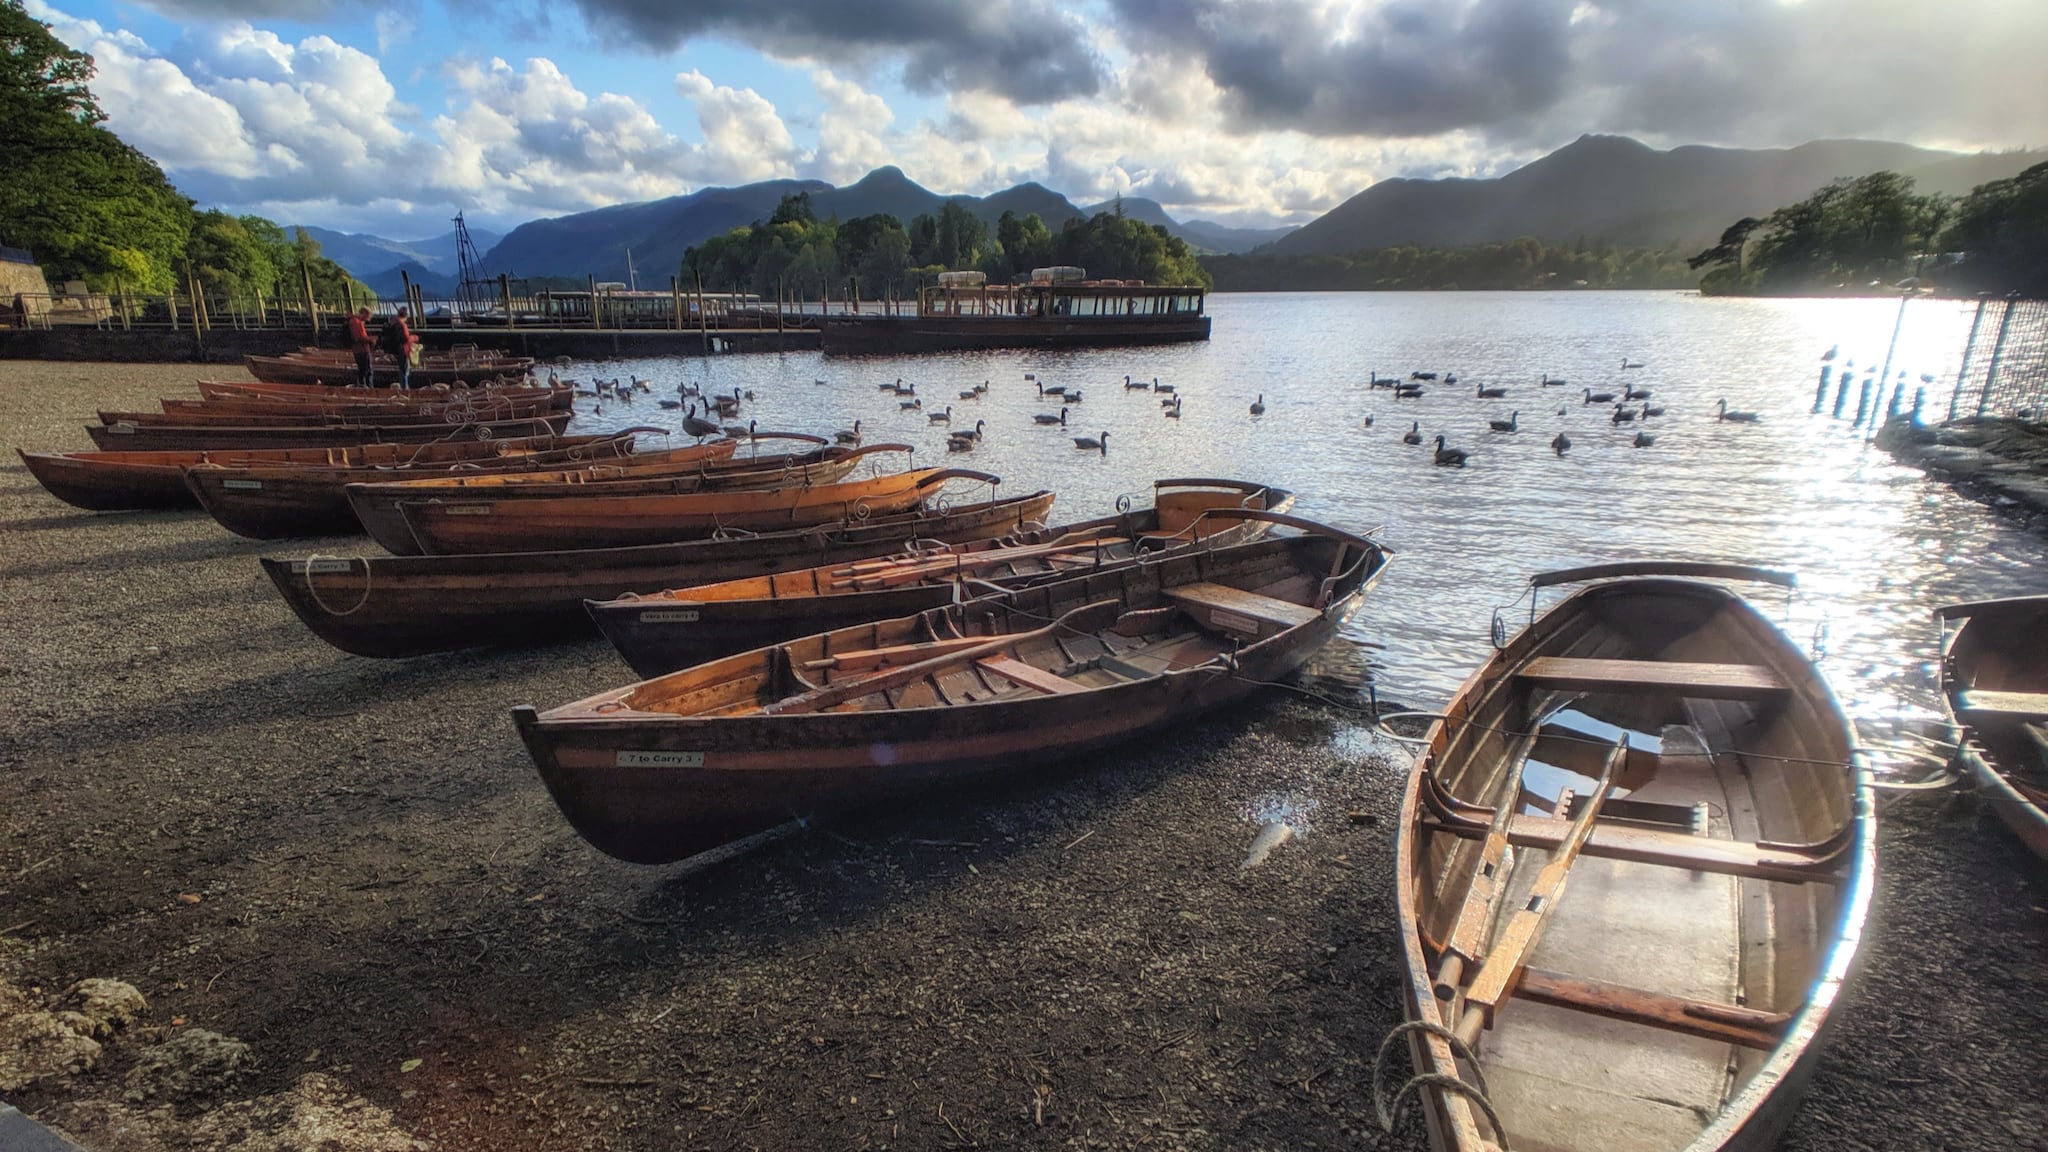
[237,414]
[264,410]
[1659,744]
[329,367]
[669,767]
[454,526]
[561,397]
[1994,676]
[132,437]
[121,481]
[409,605]
[379,507]
[660,632]
[266,502]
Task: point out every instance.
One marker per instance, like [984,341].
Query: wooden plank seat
[1669,849]
[2009,707]
[1654,677]
[1239,612]
[1018,672]
[1728,1023]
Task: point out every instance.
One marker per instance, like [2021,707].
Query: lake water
[1875,545]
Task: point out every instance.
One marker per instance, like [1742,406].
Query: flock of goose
[1621,414]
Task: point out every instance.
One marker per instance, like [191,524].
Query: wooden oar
[1087,618]
[1510,954]
[1467,939]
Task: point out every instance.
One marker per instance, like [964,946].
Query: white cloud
[745,139]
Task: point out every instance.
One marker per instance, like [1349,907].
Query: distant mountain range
[1626,193]
[1598,188]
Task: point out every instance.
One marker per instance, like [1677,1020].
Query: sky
[370,116]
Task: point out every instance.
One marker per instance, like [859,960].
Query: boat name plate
[669,616]
[317,567]
[1234,622]
[242,485]
[468,510]
[659,760]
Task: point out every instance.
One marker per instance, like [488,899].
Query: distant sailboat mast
[632,277]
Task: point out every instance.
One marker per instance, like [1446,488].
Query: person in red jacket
[397,339]
[359,341]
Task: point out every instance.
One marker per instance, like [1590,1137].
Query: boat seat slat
[1239,611]
[1667,849]
[2025,707]
[1018,672]
[1728,1023]
[1654,677]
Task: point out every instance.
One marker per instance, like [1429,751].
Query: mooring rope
[1388,1109]
[314,591]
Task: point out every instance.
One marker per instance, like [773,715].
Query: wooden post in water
[595,322]
[675,303]
[505,298]
[1820,397]
[703,320]
[781,328]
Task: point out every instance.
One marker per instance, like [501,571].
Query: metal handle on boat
[945,474]
[1708,570]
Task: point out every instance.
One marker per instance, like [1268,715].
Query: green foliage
[1025,244]
[794,249]
[1115,247]
[1519,264]
[1849,236]
[2001,231]
[40,78]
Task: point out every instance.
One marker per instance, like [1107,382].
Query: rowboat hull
[268,502]
[710,467]
[117,481]
[2002,648]
[410,605]
[130,437]
[560,398]
[462,526]
[680,627]
[653,787]
[331,368]
[1683,987]
[238,414]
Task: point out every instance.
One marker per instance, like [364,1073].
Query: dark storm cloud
[1409,68]
[1026,50]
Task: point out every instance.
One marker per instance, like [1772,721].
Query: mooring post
[1820,397]
[1847,378]
[1862,402]
[1898,401]
[1955,396]
[1997,354]
[1919,399]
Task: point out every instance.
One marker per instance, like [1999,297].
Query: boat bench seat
[1655,677]
[2023,707]
[1236,610]
[1018,672]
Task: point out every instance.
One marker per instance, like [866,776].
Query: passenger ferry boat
[1058,308]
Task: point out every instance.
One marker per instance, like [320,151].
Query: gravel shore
[350,867]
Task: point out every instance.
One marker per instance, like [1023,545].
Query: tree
[1734,239]
[88,205]
[2001,234]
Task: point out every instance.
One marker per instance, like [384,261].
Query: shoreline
[350,867]
[1996,461]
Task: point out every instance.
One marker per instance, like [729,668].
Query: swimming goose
[1560,443]
[911,405]
[1630,392]
[1486,393]
[1049,418]
[1508,425]
[695,427]
[1166,388]
[1100,443]
[1593,397]
[1737,417]
[1413,435]
[1452,457]
[1644,440]
[1622,415]
[1259,405]
[1450,377]
[1422,375]
[1648,411]
[945,417]
[1550,381]
[1368,419]
[1140,386]
[1627,363]
[890,387]
[848,435]
[1173,413]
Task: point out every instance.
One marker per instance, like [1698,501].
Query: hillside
[1202,235]
[366,256]
[1626,193]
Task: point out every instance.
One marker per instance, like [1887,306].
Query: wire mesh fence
[2005,362]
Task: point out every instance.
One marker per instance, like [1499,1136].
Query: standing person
[397,339]
[359,341]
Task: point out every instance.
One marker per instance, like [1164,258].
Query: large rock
[194,1063]
[37,1045]
[107,1005]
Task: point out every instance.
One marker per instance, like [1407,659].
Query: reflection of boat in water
[1995,679]
[1058,308]
[1659,744]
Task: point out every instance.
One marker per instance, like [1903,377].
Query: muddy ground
[350,867]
